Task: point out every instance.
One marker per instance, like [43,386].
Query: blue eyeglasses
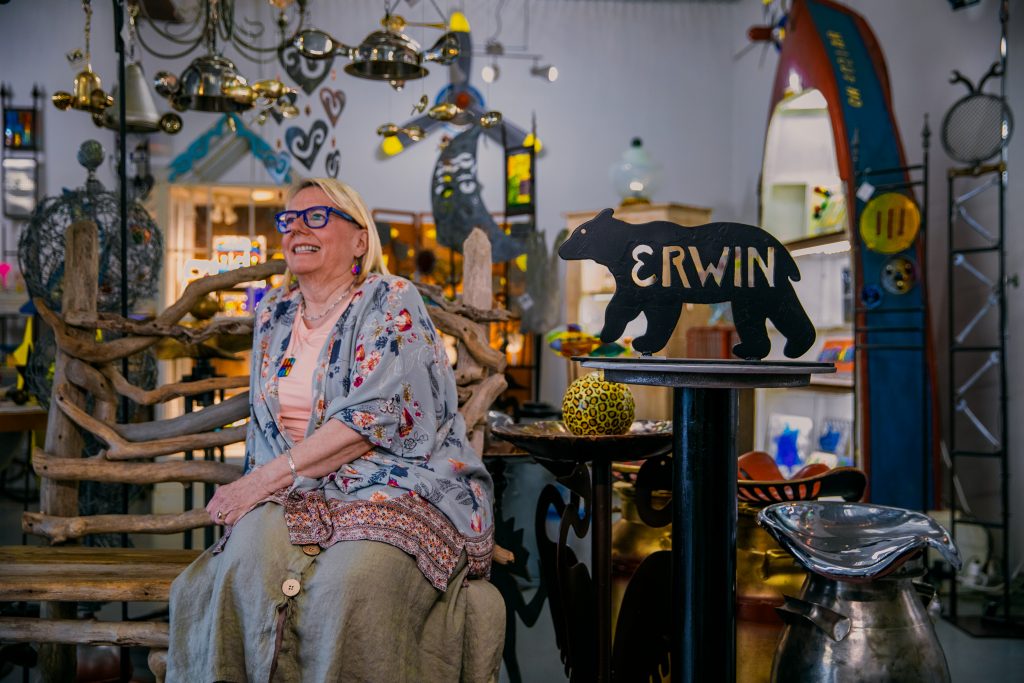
[314,217]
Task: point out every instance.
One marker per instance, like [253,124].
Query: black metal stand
[601,562]
[703,638]
[580,598]
[972,364]
[974,361]
[704,534]
[509,534]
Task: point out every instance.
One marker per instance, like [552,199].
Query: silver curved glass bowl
[854,541]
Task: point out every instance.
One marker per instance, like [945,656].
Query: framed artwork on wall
[20,186]
[20,129]
[519,181]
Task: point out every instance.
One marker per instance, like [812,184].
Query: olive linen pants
[358,611]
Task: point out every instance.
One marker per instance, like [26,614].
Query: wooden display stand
[589,286]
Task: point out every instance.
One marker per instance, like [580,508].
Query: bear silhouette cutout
[659,266]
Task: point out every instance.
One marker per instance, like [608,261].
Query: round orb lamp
[635,176]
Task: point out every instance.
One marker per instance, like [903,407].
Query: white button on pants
[291,587]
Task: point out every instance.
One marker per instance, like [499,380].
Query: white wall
[662,70]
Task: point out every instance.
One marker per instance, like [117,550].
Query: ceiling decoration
[383,55]
[212,82]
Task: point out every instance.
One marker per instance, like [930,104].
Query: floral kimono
[383,372]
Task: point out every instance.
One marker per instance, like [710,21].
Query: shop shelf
[832,382]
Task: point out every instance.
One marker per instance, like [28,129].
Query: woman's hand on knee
[230,502]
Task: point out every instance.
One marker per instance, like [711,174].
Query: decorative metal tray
[552,440]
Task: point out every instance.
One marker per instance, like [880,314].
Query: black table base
[703,567]
[704,534]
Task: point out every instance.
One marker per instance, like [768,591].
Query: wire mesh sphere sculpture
[41,247]
[978,125]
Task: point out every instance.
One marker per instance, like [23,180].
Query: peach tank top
[295,390]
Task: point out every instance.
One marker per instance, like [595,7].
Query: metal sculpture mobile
[456,202]
[455,189]
[458,103]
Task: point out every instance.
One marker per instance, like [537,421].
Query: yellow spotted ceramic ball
[593,406]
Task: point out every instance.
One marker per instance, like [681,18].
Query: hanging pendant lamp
[212,82]
[384,55]
[141,115]
[207,84]
[88,94]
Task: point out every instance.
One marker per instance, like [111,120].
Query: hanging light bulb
[490,73]
[547,72]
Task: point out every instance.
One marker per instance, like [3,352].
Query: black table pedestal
[581,596]
[704,534]
[601,563]
[704,414]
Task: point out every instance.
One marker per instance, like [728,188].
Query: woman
[354,436]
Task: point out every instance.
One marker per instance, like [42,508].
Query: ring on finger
[220,515]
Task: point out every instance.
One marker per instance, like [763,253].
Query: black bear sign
[659,266]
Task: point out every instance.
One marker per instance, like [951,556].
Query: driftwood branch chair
[64,573]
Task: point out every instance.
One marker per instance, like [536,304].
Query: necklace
[288,363]
[331,307]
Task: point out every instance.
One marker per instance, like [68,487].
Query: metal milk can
[840,631]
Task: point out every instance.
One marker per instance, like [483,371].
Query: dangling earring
[356,269]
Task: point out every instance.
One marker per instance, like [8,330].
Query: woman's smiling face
[325,253]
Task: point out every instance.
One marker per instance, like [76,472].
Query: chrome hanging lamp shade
[141,115]
[210,83]
[384,55]
[387,56]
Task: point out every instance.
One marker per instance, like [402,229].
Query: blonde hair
[349,201]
